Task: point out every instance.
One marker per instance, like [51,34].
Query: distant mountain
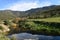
[48,11]
[6,14]
[44,12]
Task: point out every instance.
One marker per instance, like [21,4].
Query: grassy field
[54,19]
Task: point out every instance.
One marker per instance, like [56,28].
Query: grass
[1,28]
[53,19]
[3,37]
[38,26]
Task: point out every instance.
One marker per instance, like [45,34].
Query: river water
[27,36]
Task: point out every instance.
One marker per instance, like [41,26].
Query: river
[28,36]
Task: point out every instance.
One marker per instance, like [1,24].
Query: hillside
[6,14]
[44,12]
[45,20]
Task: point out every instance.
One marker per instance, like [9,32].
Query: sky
[23,5]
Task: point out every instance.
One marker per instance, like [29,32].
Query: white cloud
[46,3]
[23,6]
[27,5]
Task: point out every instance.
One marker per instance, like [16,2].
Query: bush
[13,38]
[1,28]
[6,22]
[3,37]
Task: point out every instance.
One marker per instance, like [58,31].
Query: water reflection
[27,36]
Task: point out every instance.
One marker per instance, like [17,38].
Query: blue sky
[22,5]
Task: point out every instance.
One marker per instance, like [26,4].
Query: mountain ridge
[44,12]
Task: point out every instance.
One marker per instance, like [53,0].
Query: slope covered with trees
[44,12]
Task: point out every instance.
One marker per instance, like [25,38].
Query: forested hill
[44,12]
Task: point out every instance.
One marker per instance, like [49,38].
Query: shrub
[1,28]
[3,37]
